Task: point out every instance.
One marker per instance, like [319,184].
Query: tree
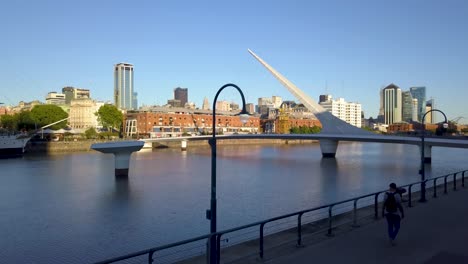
[25,121]
[47,114]
[9,122]
[305,130]
[440,130]
[107,135]
[109,116]
[368,128]
[91,133]
[294,130]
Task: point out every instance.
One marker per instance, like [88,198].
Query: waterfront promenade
[433,232]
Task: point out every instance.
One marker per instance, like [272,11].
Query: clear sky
[349,49]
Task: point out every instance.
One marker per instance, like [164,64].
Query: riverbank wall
[59,147]
[220,142]
[83,146]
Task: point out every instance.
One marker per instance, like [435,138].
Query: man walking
[391,205]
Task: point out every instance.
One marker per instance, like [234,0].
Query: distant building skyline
[206,104]
[72,93]
[55,98]
[181,94]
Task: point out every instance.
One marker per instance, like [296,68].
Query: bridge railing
[299,214]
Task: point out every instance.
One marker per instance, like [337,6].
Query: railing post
[261,240]
[410,203]
[299,230]
[435,188]
[445,184]
[150,257]
[218,248]
[355,214]
[376,206]
[329,233]
[455,181]
[463,179]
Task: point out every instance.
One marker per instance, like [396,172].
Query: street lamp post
[422,170]
[211,213]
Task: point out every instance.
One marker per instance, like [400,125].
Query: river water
[70,208]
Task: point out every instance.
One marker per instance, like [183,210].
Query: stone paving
[432,232]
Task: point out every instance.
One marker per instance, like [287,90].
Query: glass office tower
[124,95]
[420,94]
[407,109]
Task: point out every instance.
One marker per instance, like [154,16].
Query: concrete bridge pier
[148,145]
[328,147]
[427,153]
[122,151]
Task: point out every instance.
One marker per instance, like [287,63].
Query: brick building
[170,124]
[274,126]
[400,127]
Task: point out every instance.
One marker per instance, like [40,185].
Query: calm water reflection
[70,208]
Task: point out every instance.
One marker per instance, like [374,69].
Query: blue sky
[353,48]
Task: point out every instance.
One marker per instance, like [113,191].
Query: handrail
[262,223]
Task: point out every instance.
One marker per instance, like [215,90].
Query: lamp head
[244,118]
[445,125]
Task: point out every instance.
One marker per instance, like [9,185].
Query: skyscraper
[407,106]
[135,100]
[392,104]
[206,104]
[415,110]
[420,94]
[431,117]
[324,98]
[124,95]
[250,108]
[380,116]
[182,95]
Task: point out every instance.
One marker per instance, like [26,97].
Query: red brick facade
[147,121]
[400,127]
[303,122]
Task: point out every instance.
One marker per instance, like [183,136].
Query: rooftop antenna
[342,87]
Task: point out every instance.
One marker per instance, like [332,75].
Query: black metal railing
[329,230]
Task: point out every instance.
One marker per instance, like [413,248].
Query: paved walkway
[433,232]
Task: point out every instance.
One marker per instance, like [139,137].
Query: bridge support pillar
[148,145]
[183,145]
[328,147]
[122,151]
[427,153]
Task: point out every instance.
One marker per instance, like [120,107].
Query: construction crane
[456,119]
[197,131]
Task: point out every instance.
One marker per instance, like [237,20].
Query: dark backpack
[391,203]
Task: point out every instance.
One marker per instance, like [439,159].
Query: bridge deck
[439,142]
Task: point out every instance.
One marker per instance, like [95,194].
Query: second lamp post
[211,213]
[422,170]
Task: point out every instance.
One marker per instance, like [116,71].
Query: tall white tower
[415,109]
[392,104]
